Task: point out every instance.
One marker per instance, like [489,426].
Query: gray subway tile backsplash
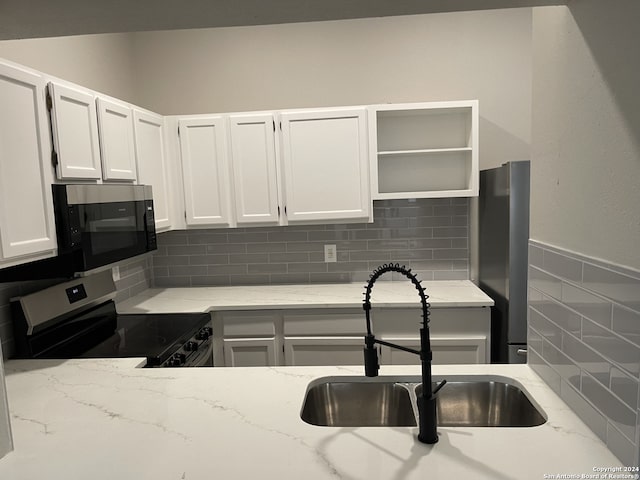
[625,387]
[621,352]
[545,283]
[596,308]
[564,317]
[587,358]
[562,266]
[589,414]
[617,413]
[451,232]
[444,275]
[565,367]
[623,289]
[545,370]
[621,446]
[626,323]
[428,235]
[549,330]
[587,304]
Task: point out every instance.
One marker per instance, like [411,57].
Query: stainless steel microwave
[95,225]
[101,224]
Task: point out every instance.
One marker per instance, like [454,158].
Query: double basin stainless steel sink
[391,402]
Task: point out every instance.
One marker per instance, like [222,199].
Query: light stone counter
[451,293]
[106,419]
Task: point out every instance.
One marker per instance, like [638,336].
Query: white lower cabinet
[247,339]
[457,335]
[250,352]
[317,337]
[309,337]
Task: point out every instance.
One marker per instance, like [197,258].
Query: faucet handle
[437,389]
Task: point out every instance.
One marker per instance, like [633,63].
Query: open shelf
[424,150]
[392,153]
[437,173]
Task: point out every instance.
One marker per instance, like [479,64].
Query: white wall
[586,129]
[100,62]
[484,55]
[464,55]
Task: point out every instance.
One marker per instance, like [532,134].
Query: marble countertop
[449,293]
[106,419]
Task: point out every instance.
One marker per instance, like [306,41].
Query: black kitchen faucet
[427,414]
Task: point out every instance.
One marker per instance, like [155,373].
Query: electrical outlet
[115,273]
[330,255]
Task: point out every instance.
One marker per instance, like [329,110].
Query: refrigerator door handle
[522,352]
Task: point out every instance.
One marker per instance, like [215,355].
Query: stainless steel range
[78,319]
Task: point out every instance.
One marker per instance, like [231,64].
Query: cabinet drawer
[446,350]
[318,351]
[454,321]
[333,323]
[250,324]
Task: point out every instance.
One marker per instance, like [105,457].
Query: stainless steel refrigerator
[503,231]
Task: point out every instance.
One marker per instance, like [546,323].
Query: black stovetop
[155,336]
[100,332]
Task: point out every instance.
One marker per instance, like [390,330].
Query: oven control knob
[191,346]
[178,359]
[204,333]
[173,362]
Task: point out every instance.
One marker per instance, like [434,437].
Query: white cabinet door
[324,351]
[27,225]
[460,350]
[250,352]
[115,124]
[152,163]
[75,133]
[325,164]
[445,350]
[206,170]
[253,158]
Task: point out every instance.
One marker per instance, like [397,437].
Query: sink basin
[391,402]
[362,404]
[484,404]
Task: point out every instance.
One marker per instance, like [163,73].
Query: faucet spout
[427,411]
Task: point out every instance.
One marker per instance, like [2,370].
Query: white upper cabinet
[205,167]
[115,122]
[75,133]
[253,158]
[421,150]
[27,228]
[325,165]
[152,163]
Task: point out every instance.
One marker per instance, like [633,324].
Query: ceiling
[53,18]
